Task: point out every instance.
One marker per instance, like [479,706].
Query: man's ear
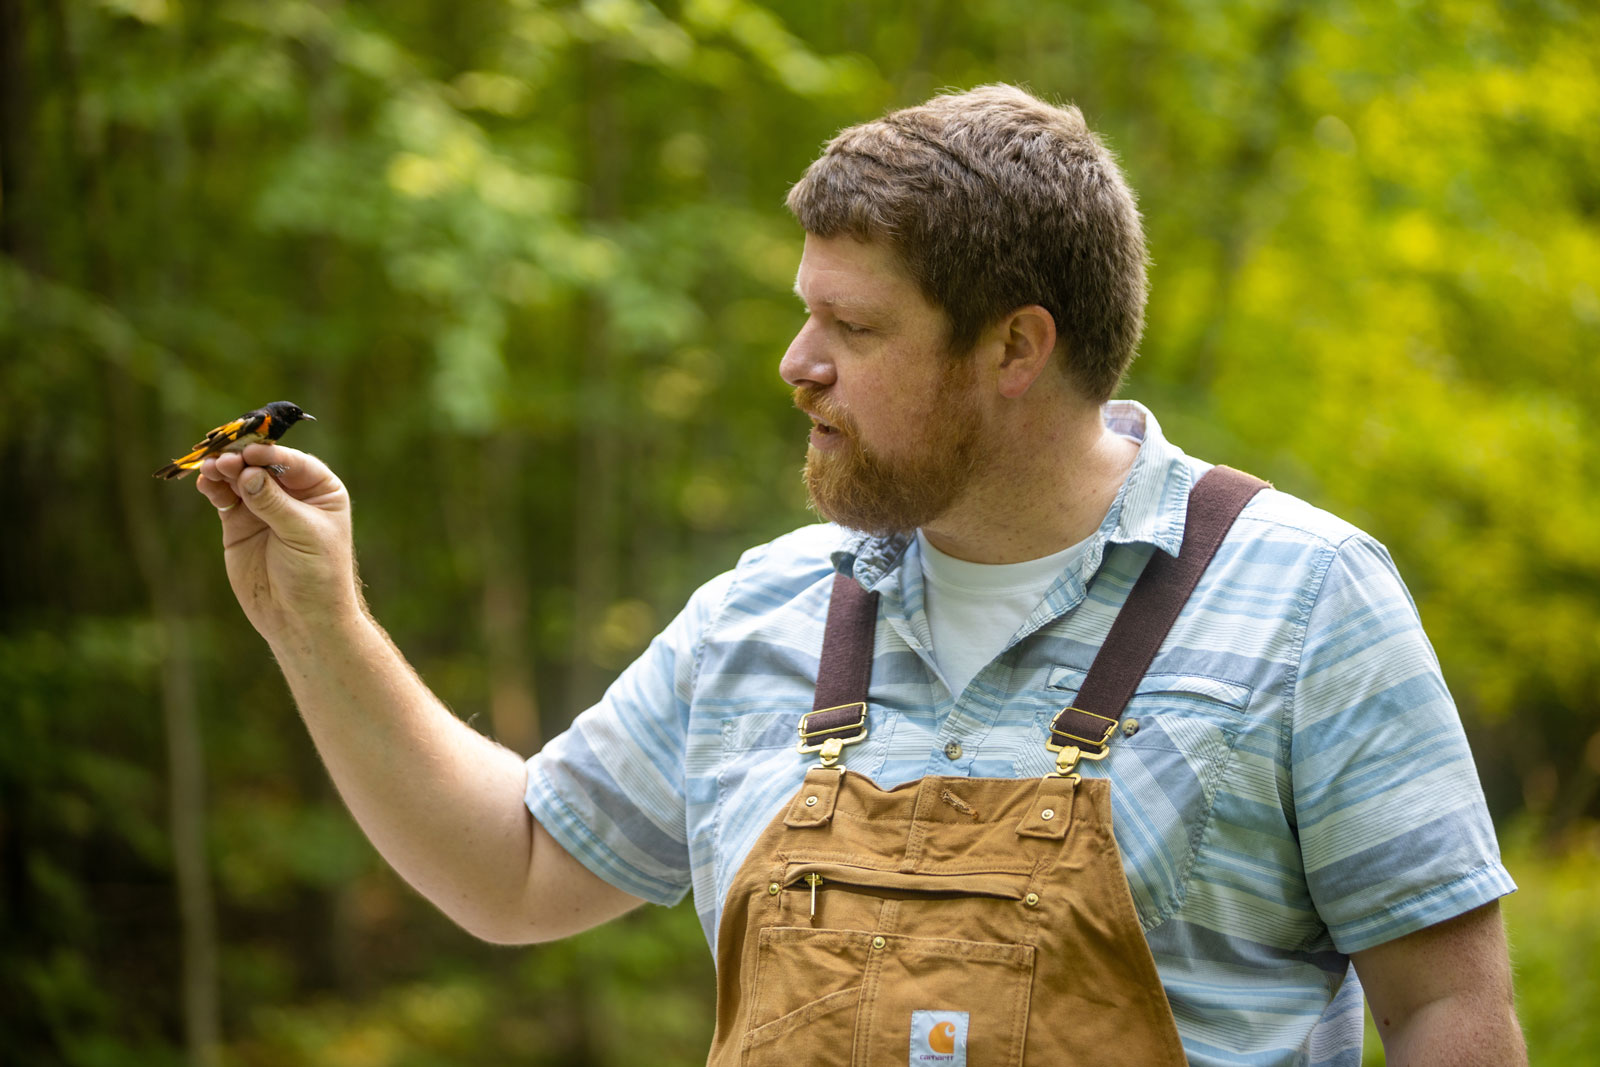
[1028,338]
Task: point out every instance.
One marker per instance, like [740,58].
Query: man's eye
[850,327]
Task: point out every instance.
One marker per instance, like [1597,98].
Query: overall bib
[965,922]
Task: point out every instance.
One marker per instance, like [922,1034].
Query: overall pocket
[807,987]
[854,997]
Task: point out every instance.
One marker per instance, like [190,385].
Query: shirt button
[952,751]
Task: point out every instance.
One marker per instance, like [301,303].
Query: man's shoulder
[1164,475]
[782,583]
[1276,516]
[1284,543]
[804,553]
[788,565]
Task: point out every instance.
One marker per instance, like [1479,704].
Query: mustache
[819,405]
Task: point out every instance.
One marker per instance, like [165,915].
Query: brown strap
[1152,607]
[845,670]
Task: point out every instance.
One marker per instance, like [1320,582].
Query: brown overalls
[963,922]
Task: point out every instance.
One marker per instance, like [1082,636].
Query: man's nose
[806,362]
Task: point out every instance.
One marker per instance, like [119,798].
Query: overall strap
[1084,730]
[839,715]
[845,670]
[839,712]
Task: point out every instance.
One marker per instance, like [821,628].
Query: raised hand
[286,538]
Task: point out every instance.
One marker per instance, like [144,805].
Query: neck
[1045,484]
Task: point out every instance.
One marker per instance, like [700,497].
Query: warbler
[263,424]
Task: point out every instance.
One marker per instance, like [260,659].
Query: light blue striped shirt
[1299,787]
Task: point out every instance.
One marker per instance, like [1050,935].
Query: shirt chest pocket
[1178,739]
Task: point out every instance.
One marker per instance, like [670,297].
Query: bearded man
[1104,753]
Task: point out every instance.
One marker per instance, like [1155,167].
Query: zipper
[1006,885]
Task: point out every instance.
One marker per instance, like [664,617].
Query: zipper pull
[813,880]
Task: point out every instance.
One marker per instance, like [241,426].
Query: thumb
[265,498]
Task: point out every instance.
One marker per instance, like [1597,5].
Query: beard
[864,489]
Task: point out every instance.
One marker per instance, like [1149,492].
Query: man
[1287,791]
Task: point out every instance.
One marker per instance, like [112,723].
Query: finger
[219,492]
[301,470]
[228,465]
[211,472]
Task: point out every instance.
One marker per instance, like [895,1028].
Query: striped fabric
[1298,786]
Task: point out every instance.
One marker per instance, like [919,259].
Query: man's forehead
[844,272]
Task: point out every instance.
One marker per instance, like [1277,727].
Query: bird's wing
[230,432]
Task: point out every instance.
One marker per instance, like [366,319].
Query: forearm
[442,803]
[1456,1032]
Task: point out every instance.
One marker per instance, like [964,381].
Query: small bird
[263,424]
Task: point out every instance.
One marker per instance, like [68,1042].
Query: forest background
[528,264]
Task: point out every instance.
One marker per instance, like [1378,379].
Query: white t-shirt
[975,608]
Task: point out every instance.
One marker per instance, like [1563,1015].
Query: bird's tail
[179,467]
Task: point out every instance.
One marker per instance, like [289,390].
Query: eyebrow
[833,305]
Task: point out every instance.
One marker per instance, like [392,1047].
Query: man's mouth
[810,405]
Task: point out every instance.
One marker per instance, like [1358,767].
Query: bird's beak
[308,418]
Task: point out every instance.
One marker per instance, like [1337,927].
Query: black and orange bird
[264,424]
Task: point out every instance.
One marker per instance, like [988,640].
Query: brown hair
[993,200]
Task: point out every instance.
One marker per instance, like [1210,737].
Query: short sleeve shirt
[1298,786]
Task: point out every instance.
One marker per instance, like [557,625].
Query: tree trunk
[164,581]
[513,703]
[15,128]
[595,518]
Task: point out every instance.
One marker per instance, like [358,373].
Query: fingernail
[253,480]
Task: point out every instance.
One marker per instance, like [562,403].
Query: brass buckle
[1069,752]
[830,741]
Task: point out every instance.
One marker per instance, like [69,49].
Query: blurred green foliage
[527,262]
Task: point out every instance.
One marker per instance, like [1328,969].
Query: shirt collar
[1153,502]
[1150,508]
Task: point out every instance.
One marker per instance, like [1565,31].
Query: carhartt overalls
[965,922]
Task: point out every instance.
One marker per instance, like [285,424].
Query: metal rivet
[773,888]
[952,751]
[811,802]
[1130,727]
[1032,900]
[878,942]
[1047,814]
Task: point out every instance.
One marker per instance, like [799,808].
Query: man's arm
[442,803]
[1442,995]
